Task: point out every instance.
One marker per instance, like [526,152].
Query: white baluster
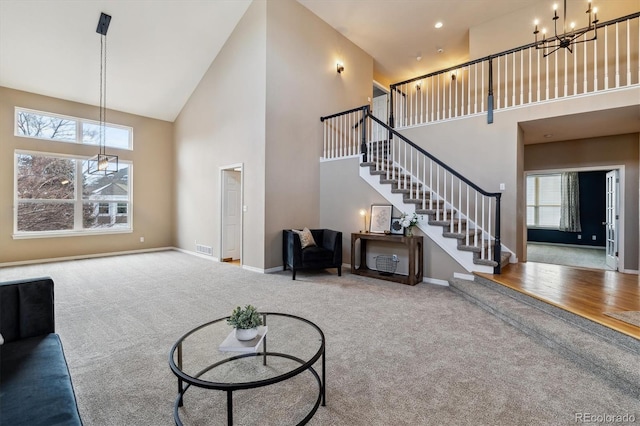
[629,53]
[546,98]
[585,70]
[482,91]
[529,99]
[606,58]
[475,219]
[513,79]
[595,65]
[499,84]
[566,88]
[617,58]
[538,74]
[555,78]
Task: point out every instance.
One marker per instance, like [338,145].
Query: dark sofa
[35,385]
[326,254]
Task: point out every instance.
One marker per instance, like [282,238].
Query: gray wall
[260,104]
[343,194]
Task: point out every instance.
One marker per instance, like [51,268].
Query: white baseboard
[83,256]
[193,253]
[630,271]
[464,276]
[266,271]
[435,281]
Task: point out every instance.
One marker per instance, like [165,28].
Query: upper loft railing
[521,76]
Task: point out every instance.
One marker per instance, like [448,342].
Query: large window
[45,125]
[55,196]
[543,201]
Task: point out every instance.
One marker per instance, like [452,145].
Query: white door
[611,224]
[380,112]
[231,211]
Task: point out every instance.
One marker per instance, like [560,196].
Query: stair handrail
[349,111]
[436,160]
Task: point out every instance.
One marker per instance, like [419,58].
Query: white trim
[567,245]
[193,253]
[77,201]
[324,160]
[467,277]
[266,271]
[381,87]
[84,256]
[435,281]
[629,271]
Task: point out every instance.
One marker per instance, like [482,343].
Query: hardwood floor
[585,292]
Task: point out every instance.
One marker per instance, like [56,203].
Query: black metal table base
[321,385]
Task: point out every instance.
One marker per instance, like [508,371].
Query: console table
[414,244]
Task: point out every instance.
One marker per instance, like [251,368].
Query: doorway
[380,110]
[597,244]
[231,214]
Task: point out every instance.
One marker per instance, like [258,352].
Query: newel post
[363,144]
[497,250]
[490,98]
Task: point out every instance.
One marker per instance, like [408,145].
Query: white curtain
[570,203]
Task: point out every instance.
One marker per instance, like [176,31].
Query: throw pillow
[306,238]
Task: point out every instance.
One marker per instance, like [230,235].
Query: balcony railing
[522,76]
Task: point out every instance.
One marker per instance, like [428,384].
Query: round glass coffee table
[209,357]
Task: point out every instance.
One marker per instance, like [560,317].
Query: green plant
[249,317]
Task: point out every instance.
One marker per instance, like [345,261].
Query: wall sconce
[340,67]
[453,76]
[363,213]
[418,86]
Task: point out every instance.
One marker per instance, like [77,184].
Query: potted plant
[408,221]
[245,321]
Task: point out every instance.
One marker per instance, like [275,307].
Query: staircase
[455,213]
[438,219]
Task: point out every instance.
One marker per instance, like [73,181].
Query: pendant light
[102,163]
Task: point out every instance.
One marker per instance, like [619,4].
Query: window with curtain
[569,202]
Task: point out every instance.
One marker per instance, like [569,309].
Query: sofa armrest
[332,240]
[26,308]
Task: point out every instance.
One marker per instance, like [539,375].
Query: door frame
[621,200]
[237,167]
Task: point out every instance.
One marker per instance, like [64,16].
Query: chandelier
[103,163]
[567,39]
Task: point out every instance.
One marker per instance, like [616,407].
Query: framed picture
[380,218]
[396,228]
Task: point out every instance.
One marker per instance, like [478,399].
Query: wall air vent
[202,249]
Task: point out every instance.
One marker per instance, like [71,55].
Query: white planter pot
[246,333]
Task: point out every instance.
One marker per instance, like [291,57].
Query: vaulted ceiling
[158,50]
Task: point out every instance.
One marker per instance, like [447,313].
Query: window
[44,125]
[55,196]
[543,201]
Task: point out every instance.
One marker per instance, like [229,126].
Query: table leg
[180,392]
[264,342]
[229,408]
[324,383]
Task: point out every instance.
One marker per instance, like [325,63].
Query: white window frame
[79,131]
[78,201]
[536,205]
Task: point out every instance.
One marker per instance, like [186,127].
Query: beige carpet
[632,317]
[396,355]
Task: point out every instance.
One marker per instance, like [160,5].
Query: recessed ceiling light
[548,135]
[438,25]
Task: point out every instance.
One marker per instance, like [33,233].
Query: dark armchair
[326,254]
